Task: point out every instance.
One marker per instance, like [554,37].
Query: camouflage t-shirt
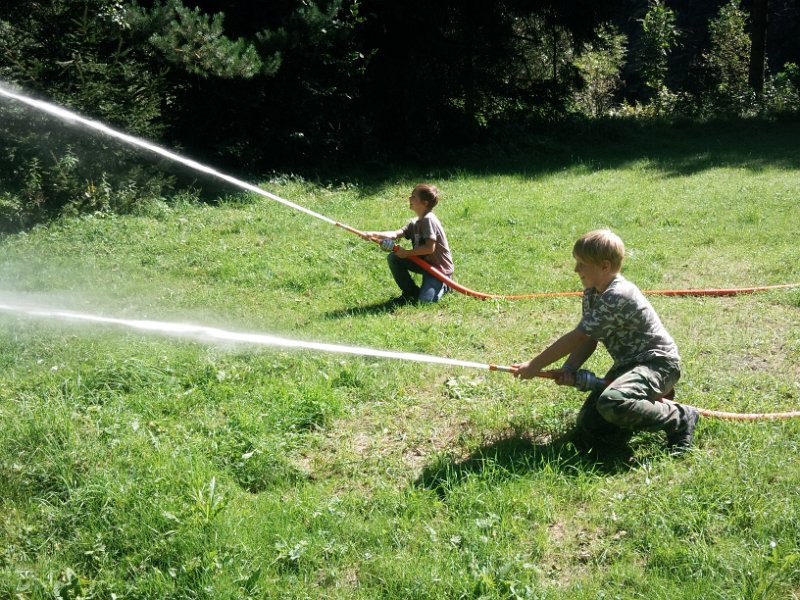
[428,227]
[623,319]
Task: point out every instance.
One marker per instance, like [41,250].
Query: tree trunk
[758,15]
[555,53]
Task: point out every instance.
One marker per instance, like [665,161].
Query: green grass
[136,466]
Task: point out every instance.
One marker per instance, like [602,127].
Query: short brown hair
[599,245]
[428,193]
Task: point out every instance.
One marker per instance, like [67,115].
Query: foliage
[782,91]
[665,104]
[600,64]
[727,60]
[50,170]
[314,97]
[81,54]
[659,36]
[265,86]
[195,41]
[100,58]
[546,73]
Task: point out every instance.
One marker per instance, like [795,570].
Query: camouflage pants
[630,403]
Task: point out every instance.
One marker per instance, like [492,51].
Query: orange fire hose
[484,296]
[552,374]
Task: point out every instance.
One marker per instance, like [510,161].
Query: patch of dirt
[394,442]
[574,550]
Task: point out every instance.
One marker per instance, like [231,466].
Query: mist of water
[75,119]
[200,332]
[214,335]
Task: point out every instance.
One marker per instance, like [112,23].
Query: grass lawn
[139,466]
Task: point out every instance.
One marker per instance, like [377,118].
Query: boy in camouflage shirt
[646,360]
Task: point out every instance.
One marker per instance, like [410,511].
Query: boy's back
[626,323]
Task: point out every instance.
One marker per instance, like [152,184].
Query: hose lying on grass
[698,292]
[484,296]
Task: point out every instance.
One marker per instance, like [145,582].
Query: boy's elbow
[580,336]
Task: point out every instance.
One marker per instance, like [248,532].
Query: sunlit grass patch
[148,466]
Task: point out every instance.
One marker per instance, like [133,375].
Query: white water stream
[73,118]
[202,333]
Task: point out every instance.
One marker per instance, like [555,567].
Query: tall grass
[141,467]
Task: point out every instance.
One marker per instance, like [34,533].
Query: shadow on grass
[368,309]
[513,454]
[671,149]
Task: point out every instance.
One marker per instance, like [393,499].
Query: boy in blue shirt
[646,360]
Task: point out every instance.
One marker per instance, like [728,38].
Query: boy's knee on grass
[612,405]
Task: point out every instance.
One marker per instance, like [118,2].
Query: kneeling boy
[646,360]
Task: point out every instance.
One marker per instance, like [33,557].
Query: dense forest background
[255,87]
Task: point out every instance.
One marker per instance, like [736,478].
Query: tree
[600,64]
[659,36]
[117,63]
[758,18]
[728,58]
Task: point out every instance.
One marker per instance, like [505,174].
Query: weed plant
[135,466]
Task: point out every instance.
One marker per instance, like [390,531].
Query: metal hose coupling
[586,381]
[387,244]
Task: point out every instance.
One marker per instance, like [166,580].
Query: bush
[782,91]
[44,180]
[599,65]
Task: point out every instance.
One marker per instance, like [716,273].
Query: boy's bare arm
[575,342]
[422,250]
[566,374]
[579,356]
[377,236]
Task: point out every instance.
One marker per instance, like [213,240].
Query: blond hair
[599,245]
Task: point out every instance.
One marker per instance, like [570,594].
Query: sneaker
[680,441]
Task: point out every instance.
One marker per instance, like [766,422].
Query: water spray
[71,117]
[584,381]
[212,334]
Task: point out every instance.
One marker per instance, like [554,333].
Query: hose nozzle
[586,381]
